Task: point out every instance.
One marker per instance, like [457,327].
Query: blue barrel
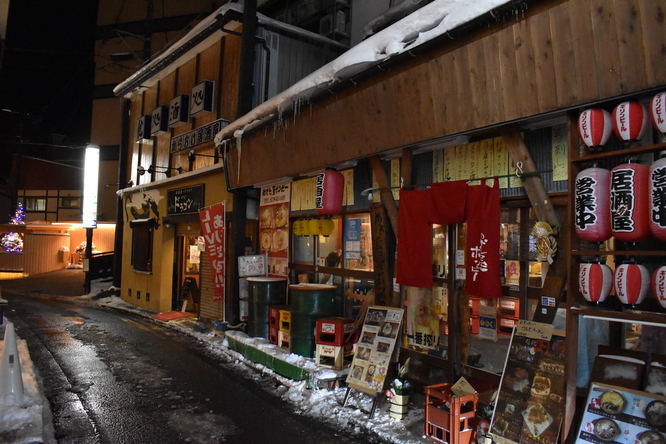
[263,292]
[309,302]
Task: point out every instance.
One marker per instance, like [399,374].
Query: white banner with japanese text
[213,225]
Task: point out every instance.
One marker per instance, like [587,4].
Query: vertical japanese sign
[274,227]
[213,225]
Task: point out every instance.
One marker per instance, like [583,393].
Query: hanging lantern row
[628,202]
[314,227]
[629,121]
[631,283]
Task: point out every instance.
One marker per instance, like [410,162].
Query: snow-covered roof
[198,38]
[422,26]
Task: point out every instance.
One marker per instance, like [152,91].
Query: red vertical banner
[213,225]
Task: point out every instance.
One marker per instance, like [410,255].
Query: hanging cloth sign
[449,203]
[213,225]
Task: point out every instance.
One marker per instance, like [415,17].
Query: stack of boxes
[508,315]
[279,325]
[474,315]
[285,328]
[335,342]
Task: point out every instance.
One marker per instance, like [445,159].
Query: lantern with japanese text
[632,282]
[326,227]
[298,228]
[592,205]
[313,226]
[629,202]
[630,120]
[330,186]
[595,282]
[657,195]
[594,128]
[658,112]
[659,285]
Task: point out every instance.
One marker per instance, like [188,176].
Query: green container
[264,292]
[309,302]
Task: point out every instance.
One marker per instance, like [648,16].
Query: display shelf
[634,151]
[580,251]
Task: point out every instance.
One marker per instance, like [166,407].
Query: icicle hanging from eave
[238,135]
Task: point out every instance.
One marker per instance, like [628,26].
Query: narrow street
[114,377]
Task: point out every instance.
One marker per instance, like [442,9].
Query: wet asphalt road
[114,377]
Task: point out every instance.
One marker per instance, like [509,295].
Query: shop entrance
[187,295]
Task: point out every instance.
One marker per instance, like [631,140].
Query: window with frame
[35,204]
[343,258]
[142,244]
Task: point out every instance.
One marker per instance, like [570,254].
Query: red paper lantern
[330,186]
[595,281]
[632,282]
[657,193]
[659,285]
[629,202]
[594,128]
[592,205]
[658,112]
[630,119]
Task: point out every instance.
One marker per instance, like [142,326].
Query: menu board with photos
[615,414]
[374,349]
[530,402]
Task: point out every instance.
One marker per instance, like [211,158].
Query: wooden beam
[543,207]
[385,190]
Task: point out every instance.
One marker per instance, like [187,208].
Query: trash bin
[264,292]
[309,302]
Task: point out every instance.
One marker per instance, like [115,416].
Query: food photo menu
[381,330]
[615,414]
[530,402]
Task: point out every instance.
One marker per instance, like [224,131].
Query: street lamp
[90,184]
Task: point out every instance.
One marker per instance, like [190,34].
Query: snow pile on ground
[23,424]
[308,398]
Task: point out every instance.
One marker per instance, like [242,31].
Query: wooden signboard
[530,403]
[372,359]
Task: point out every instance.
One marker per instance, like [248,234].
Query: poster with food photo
[274,227]
[615,414]
[372,358]
[530,402]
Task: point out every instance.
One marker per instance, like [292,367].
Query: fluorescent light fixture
[90,183]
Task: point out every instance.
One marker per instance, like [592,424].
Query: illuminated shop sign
[159,120]
[179,110]
[143,128]
[202,98]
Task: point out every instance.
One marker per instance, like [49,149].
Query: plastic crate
[284,340]
[273,334]
[448,418]
[474,324]
[509,307]
[335,331]
[334,357]
[285,319]
[505,326]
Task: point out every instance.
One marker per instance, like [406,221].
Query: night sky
[47,76]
